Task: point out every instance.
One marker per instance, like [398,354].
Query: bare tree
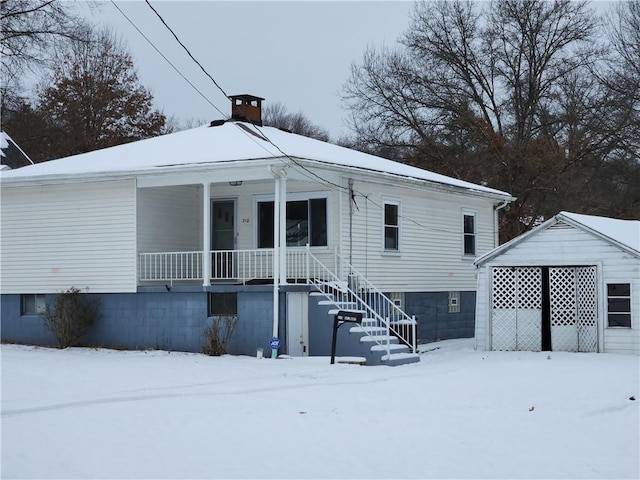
[500,94]
[276,115]
[29,29]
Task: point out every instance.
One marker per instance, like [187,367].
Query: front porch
[386,330]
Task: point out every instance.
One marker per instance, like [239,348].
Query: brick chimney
[247,108]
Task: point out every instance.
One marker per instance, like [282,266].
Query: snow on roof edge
[626,241]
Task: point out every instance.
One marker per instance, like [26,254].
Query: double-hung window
[619,305]
[391,226]
[306,222]
[469,232]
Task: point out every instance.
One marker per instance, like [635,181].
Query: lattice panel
[529,330]
[529,288]
[503,330]
[503,288]
[562,300]
[587,309]
[516,308]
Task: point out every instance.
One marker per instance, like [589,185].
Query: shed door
[297,324]
[516,313]
[572,299]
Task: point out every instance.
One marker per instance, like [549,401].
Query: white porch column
[276,257]
[283,228]
[206,234]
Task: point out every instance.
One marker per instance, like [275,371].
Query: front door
[223,236]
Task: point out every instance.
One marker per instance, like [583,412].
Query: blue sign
[274,343]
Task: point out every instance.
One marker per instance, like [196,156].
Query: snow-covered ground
[85,413]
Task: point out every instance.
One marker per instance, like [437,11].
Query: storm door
[223,236]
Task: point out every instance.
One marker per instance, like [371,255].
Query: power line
[166,59]
[262,134]
[185,48]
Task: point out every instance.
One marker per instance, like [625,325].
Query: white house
[570,284]
[173,230]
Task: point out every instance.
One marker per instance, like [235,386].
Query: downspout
[351,221]
[496,223]
[278,235]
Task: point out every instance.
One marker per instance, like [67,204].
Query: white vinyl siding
[55,237]
[565,245]
[430,256]
[170,219]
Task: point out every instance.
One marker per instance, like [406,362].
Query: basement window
[32,304]
[619,305]
[454,302]
[222,303]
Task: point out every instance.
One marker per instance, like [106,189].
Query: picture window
[306,223]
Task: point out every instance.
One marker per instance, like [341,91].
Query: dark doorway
[546,312]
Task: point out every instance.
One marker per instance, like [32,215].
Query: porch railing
[239,266]
[169,266]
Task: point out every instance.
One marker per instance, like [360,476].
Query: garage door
[532,303]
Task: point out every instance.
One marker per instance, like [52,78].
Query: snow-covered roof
[623,233]
[228,142]
[11,155]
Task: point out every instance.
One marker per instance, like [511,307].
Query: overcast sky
[297,53]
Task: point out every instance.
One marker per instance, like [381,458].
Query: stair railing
[345,295]
[399,323]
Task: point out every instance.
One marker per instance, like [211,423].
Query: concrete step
[377,331]
[379,339]
[396,359]
[342,305]
[393,348]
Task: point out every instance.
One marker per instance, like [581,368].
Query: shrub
[218,334]
[71,316]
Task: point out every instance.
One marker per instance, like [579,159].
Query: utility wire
[166,59]
[262,134]
[186,49]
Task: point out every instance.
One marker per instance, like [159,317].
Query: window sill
[391,253]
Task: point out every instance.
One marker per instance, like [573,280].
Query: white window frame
[470,213]
[391,201]
[293,197]
[630,298]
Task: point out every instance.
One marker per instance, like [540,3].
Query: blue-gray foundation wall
[434,320]
[155,318]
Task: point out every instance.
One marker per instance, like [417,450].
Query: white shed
[570,284]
